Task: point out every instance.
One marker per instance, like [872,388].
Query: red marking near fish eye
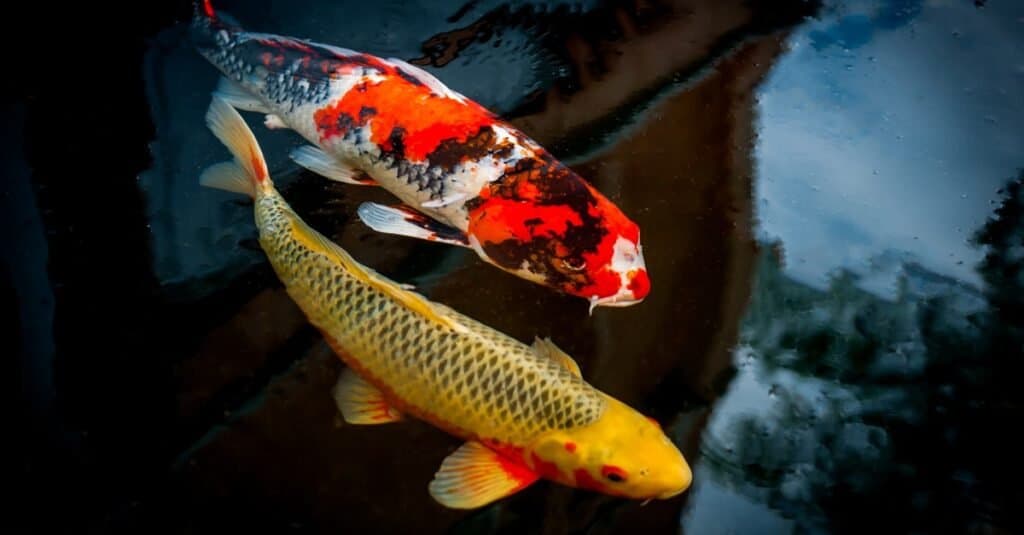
[208,8]
[570,447]
[585,481]
[639,283]
[546,469]
[499,219]
[265,58]
[425,120]
[609,469]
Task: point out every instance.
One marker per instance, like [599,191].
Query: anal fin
[360,402]
[404,221]
[544,347]
[475,475]
[327,166]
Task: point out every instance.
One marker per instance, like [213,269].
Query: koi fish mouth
[685,479]
[672,493]
[621,299]
[626,296]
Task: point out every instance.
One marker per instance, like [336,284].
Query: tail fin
[248,171]
[204,8]
[211,30]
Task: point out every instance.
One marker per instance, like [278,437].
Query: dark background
[163,382]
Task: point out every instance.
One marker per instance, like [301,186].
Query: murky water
[831,205]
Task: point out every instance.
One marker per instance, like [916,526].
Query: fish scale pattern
[478,384]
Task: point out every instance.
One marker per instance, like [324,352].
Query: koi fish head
[574,239]
[620,278]
[623,454]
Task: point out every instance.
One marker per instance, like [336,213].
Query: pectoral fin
[544,347]
[327,166]
[475,475]
[238,97]
[404,221]
[360,402]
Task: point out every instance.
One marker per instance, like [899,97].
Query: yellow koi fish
[524,411]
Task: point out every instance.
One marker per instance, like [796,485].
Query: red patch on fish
[513,453]
[570,447]
[639,283]
[498,219]
[424,119]
[585,481]
[382,412]
[546,469]
[510,460]
[606,282]
[257,165]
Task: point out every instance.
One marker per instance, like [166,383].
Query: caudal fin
[204,9]
[248,171]
[211,31]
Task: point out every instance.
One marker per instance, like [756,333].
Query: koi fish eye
[582,265]
[613,473]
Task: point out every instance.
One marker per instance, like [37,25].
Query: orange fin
[544,347]
[360,402]
[475,475]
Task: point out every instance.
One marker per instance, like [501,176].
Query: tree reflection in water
[894,416]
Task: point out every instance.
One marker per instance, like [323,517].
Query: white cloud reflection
[888,143]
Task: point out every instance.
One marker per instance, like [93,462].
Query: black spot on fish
[451,152]
[397,141]
[408,77]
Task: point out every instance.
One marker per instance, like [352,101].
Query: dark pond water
[833,216]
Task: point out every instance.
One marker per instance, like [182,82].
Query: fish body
[465,176]
[524,411]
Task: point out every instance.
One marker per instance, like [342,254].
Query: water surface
[831,204]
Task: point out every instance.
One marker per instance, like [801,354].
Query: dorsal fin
[544,347]
[411,300]
[427,79]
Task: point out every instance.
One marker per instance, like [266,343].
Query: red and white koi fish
[466,177]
